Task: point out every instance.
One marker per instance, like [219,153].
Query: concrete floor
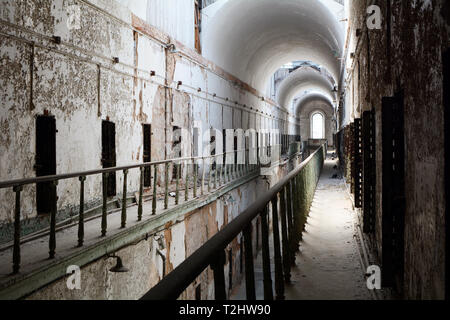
[328,266]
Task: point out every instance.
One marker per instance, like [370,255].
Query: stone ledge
[21,285]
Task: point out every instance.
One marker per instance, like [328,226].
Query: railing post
[177,189]
[203,176]
[295,202]
[166,186]
[234,169]
[241,165]
[268,291]
[155,182]
[284,237]
[123,223]
[219,277]
[195,177]
[238,165]
[247,163]
[279,281]
[225,170]
[291,229]
[141,190]
[52,242]
[81,215]
[16,248]
[186,191]
[210,174]
[249,268]
[300,206]
[221,174]
[105,196]
[215,172]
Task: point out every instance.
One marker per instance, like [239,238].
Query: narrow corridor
[328,266]
[177,150]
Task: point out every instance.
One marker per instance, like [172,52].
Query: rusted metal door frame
[369,172]
[358,172]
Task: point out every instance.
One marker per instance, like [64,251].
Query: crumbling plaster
[78,83]
[410,61]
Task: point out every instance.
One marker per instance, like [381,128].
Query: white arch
[253,38]
[311,121]
[303,79]
[311,97]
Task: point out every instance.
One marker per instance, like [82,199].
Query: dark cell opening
[176,148]
[147,156]
[109,154]
[45,162]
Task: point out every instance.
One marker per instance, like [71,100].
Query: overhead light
[119,265]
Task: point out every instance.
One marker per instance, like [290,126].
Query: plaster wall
[305,120]
[419,34]
[78,83]
[145,265]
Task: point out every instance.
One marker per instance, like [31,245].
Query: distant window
[317,124]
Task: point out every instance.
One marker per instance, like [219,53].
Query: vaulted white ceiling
[313,97]
[253,38]
[301,80]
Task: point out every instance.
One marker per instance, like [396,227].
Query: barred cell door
[369,171]
[358,169]
[349,140]
[393,216]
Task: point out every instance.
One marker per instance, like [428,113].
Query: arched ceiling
[311,98]
[301,80]
[253,38]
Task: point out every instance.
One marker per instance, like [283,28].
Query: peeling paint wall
[145,264]
[410,59]
[78,83]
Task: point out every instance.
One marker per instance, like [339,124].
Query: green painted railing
[290,200]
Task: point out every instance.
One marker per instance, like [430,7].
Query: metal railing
[221,170]
[284,198]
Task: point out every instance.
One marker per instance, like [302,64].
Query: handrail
[26,181]
[211,253]
[220,173]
